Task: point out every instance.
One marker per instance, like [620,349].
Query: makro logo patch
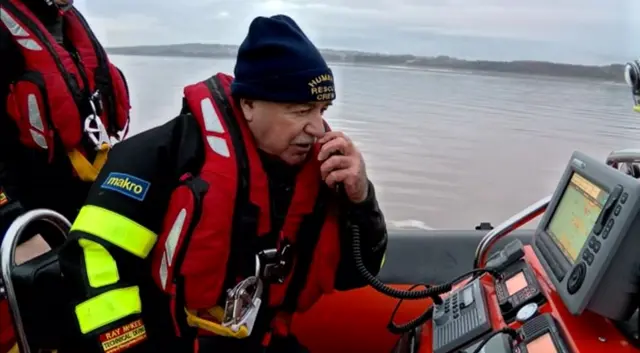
[127,185]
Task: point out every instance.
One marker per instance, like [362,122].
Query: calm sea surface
[445,149]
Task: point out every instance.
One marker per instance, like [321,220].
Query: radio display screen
[542,344]
[516,283]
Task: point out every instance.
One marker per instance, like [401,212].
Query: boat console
[573,290]
[570,291]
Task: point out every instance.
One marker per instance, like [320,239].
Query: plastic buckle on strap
[243,303]
[216,313]
[277,263]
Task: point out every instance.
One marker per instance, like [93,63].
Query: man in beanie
[210,232]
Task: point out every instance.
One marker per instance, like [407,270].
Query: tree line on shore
[612,73]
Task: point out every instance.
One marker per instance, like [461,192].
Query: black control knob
[576,278]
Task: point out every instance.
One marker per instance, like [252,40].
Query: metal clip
[243,303]
[93,126]
[277,263]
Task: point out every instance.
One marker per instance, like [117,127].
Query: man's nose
[315,128]
[315,124]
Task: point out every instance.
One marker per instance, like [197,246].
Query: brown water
[446,149]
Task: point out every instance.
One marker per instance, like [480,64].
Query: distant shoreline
[609,73]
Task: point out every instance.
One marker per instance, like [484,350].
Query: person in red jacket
[208,233]
[62,103]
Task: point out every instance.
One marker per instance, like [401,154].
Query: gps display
[576,215]
[586,240]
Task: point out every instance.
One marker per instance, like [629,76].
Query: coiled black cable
[432,292]
[428,292]
[413,323]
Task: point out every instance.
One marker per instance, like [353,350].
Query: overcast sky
[580,31]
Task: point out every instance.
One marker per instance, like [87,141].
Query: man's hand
[342,162]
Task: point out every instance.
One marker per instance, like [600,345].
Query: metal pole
[7,261]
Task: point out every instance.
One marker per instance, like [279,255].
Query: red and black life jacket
[60,89]
[217,221]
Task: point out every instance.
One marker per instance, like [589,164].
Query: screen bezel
[558,257]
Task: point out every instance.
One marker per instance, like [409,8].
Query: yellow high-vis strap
[217,312]
[101,268]
[115,229]
[384,258]
[88,171]
[108,307]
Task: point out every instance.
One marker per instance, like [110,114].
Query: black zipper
[72,85]
[103,65]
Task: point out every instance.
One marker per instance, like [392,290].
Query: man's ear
[246,105]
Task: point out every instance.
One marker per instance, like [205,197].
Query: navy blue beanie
[278,63]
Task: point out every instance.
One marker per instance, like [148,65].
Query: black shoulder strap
[245,214]
[306,241]
[102,76]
